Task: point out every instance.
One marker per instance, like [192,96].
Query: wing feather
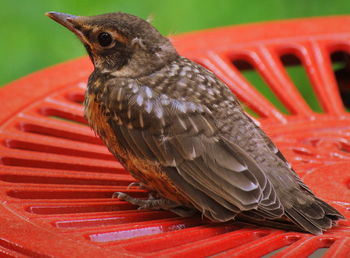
[218,176]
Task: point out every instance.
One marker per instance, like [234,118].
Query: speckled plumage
[180,131]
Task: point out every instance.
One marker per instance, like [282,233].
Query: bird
[182,134]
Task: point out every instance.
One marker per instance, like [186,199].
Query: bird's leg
[156,204]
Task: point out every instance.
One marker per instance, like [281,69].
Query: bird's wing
[279,154]
[218,176]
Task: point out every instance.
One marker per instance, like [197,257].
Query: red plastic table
[56,178]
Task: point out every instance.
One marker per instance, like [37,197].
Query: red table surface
[56,177]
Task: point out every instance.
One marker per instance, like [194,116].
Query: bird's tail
[305,212]
[311,213]
[282,223]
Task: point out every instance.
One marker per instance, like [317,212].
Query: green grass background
[30,41]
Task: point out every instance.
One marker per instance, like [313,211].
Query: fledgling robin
[181,132]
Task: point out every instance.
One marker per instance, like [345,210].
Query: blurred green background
[30,41]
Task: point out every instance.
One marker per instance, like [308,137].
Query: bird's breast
[149,173]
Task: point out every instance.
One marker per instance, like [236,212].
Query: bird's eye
[105,39]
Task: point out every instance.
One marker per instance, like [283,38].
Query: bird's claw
[135,201]
[151,203]
[119,195]
[135,184]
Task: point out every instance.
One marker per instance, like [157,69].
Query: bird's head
[120,43]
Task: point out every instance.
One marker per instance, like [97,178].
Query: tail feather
[314,216]
[303,222]
[312,210]
[253,218]
[308,214]
[329,210]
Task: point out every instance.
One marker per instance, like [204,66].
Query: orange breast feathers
[149,173]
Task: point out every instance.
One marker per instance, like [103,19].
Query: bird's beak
[67,20]
[76,24]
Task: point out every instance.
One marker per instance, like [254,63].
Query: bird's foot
[156,204]
[151,203]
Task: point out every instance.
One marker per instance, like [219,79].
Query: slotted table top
[57,178]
